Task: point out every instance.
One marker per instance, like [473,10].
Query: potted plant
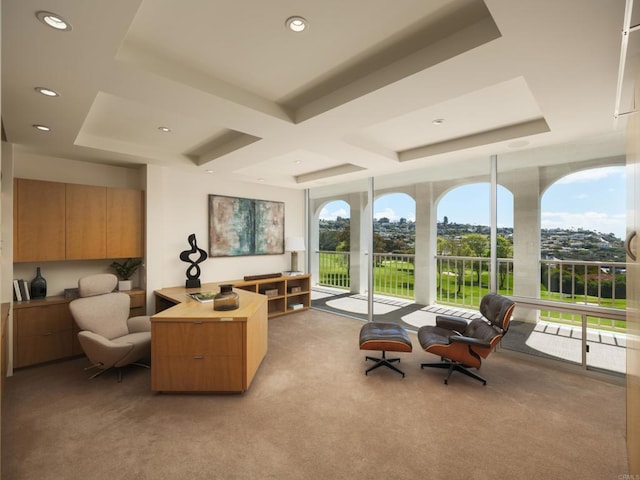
[124,271]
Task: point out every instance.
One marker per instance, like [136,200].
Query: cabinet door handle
[627,245]
[197,323]
[47,334]
[198,357]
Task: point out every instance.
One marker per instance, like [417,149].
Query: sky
[592,200]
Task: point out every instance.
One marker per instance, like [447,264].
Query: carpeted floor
[311,413]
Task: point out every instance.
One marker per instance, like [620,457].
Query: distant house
[604,244]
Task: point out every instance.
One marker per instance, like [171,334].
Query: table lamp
[294,245]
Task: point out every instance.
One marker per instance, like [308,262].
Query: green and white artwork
[245,226]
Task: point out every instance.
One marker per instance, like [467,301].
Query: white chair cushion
[105,315]
[97,284]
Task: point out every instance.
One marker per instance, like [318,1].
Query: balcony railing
[463,281]
[593,284]
[393,273]
[333,269]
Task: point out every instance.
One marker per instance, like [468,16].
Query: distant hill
[563,244]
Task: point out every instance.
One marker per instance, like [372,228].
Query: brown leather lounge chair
[462,345]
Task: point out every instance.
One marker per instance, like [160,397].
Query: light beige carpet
[311,413]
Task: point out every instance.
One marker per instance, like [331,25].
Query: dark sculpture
[193,272]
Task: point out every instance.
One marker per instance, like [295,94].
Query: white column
[314,240]
[154,270]
[426,241]
[358,260]
[526,237]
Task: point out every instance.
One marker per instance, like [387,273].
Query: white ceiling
[353,96]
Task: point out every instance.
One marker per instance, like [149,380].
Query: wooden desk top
[188,308]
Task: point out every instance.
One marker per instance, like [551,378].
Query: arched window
[464,243]
[334,237]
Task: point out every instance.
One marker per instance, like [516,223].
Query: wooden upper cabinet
[86,222]
[125,223]
[64,221]
[39,221]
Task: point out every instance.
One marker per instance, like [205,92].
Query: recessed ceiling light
[47,91]
[209,171]
[261,179]
[438,121]
[53,20]
[164,129]
[42,128]
[296,24]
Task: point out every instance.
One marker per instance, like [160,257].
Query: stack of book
[269,292]
[21,290]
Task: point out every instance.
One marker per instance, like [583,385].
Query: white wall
[53,169]
[6,216]
[61,275]
[177,206]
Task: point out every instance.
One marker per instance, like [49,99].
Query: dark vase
[38,285]
[226,299]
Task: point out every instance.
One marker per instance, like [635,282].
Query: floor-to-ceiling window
[334,244]
[568,258]
[394,245]
[474,230]
[464,244]
[340,244]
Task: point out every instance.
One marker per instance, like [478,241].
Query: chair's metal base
[387,362]
[119,369]
[454,366]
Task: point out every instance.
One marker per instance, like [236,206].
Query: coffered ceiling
[354,95]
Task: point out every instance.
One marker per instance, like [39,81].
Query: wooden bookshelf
[282,292]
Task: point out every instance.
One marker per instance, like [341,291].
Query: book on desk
[203,297]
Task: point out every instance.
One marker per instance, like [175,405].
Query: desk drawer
[42,348]
[177,339]
[193,373]
[137,299]
[43,320]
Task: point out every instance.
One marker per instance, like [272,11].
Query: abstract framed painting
[245,226]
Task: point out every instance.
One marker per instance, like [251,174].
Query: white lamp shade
[294,244]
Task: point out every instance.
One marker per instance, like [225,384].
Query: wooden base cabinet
[197,349]
[43,332]
[44,329]
[198,357]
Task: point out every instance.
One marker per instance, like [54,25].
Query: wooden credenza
[195,348]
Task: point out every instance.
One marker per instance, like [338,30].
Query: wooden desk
[195,348]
